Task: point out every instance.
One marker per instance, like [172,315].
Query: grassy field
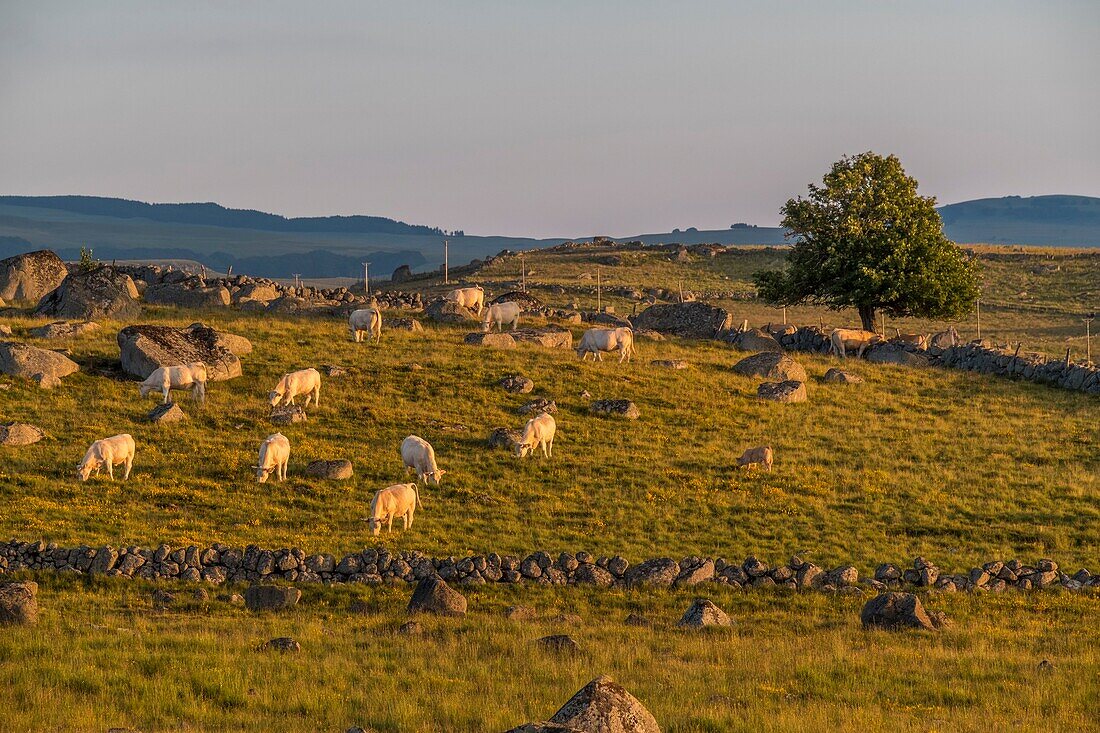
[957,467]
[102,657]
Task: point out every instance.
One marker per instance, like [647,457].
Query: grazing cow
[597,340]
[945,339]
[472,298]
[842,339]
[167,378]
[539,431]
[920,340]
[368,321]
[274,456]
[303,382]
[501,313]
[419,456]
[108,453]
[761,456]
[399,500]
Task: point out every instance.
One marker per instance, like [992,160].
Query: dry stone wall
[219,564]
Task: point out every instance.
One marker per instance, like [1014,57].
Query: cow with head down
[841,340]
[302,382]
[274,458]
[472,298]
[399,500]
[108,453]
[164,379]
[598,340]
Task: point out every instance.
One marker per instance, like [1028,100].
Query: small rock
[337,470]
[15,434]
[894,611]
[540,404]
[517,384]
[288,415]
[271,597]
[282,644]
[410,628]
[669,363]
[18,603]
[166,413]
[790,391]
[618,408]
[162,599]
[704,612]
[839,376]
[494,340]
[520,613]
[635,619]
[560,643]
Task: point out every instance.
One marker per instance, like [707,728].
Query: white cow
[539,431]
[501,313]
[303,382]
[274,456]
[419,456]
[108,453]
[762,456]
[167,378]
[920,340]
[842,339]
[365,320]
[399,500]
[946,339]
[472,298]
[597,340]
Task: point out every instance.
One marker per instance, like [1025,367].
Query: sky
[563,118]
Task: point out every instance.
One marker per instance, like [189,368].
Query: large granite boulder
[97,294]
[255,292]
[659,572]
[16,434]
[690,320]
[602,706]
[144,348]
[770,365]
[704,612]
[231,342]
[895,611]
[30,277]
[29,362]
[18,603]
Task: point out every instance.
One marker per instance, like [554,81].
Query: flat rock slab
[338,470]
[64,329]
[16,434]
[495,340]
[839,376]
[789,391]
[550,337]
[271,597]
[144,348]
[30,362]
[616,408]
[771,365]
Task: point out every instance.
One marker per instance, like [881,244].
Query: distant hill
[270,245]
[1062,221]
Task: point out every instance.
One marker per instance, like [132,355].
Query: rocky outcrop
[689,320]
[16,434]
[401,274]
[95,295]
[43,366]
[30,277]
[788,391]
[602,706]
[144,348]
[770,365]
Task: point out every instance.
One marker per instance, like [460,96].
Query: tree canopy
[866,239]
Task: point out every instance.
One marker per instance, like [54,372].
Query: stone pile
[220,563]
[985,358]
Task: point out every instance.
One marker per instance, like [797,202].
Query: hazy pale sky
[543,118]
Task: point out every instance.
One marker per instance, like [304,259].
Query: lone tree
[867,240]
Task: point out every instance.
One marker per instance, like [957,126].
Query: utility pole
[599,301]
[882,323]
[784,315]
[1088,337]
[522,274]
[978,304]
[297,283]
[366,278]
[446,253]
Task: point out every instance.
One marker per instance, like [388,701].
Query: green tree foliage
[867,240]
[87,261]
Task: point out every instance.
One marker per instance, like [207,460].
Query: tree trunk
[867,315]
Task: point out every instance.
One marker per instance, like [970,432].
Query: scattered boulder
[537,405]
[505,438]
[648,334]
[271,597]
[410,628]
[495,340]
[31,276]
[166,413]
[690,320]
[433,595]
[255,292]
[18,603]
[517,384]
[336,371]
[550,337]
[15,434]
[447,311]
[530,303]
[704,612]
[771,365]
[669,363]
[659,572]
[144,348]
[589,574]
[895,611]
[754,339]
[64,329]
[94,295]
[636,619]
[520,613]
[30,362]
[282,644]
[789,391]
[287,415]
[188,294]
[839,376]
[338,470]
[559,643]
[602,706]
[402,324]
[617,408]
